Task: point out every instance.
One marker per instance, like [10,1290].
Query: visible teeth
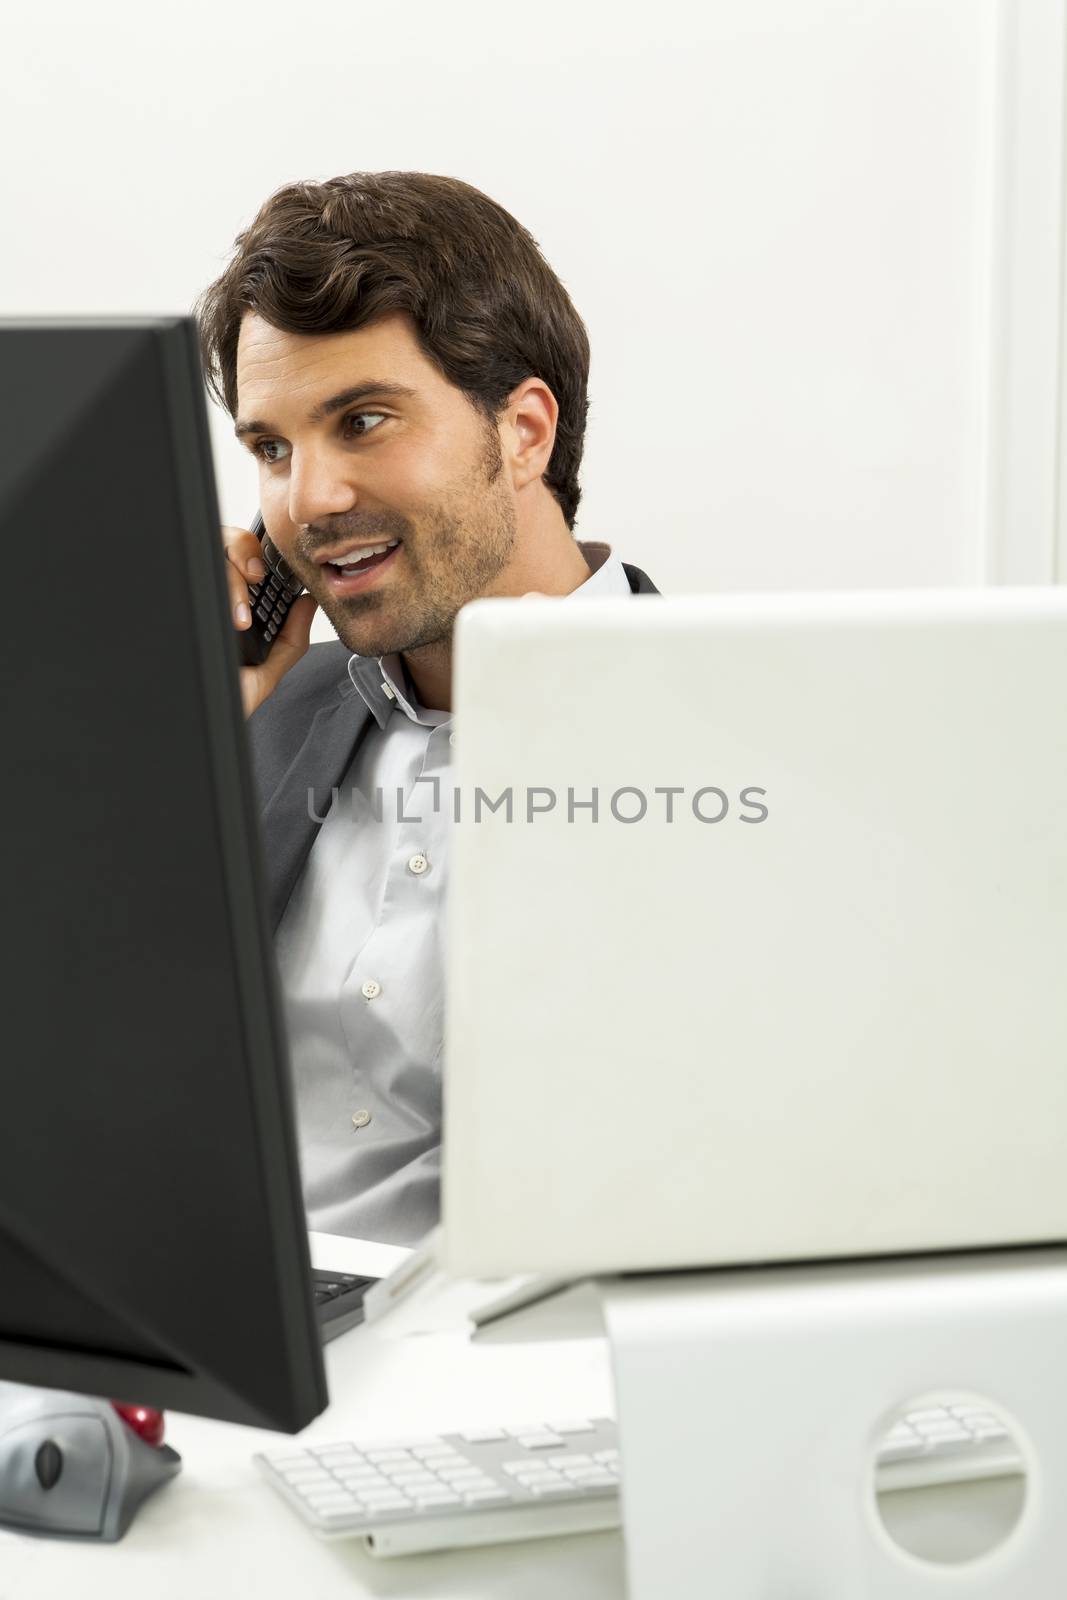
[361,555]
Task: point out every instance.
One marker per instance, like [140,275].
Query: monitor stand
[750,1403]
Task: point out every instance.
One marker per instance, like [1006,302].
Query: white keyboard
[480,1487]
[946,1444]
[493,1484]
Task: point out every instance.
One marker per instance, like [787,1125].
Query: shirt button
[372,989]
[417,864]
[360,1119]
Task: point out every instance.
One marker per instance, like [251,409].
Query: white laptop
[832,1022]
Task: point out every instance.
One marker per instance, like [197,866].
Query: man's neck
[558,569]
[430,667]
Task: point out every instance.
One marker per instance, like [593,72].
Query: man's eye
[353,416]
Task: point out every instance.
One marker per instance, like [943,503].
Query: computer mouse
[71,1464]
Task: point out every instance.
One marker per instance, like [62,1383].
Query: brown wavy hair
[488,309]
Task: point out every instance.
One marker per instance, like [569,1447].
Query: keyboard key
[902,1450]
[424,1501]
[574,1460]
[336,1498]
[337,1517]
[381,1457]
[540,1441]
[541,1490]
[575,1426]
[944,1433]
[484,1436]
[485,1497]
[407,1444]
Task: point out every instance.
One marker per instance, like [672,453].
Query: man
[411,377]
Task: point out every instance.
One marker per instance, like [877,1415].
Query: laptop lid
[820,1012]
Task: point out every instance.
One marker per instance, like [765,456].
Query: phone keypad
[270,600]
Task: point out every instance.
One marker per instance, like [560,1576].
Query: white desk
[218,1532]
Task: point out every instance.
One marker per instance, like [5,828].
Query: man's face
[408,460]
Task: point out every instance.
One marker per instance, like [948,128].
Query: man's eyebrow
[337,402]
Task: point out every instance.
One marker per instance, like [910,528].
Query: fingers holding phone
[244,566]
[276,626]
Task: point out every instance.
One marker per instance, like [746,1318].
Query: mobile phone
[269,600]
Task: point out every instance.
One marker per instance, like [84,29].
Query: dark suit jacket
[303,738]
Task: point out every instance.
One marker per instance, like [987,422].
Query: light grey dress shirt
[360,954]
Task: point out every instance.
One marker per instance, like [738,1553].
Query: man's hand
[244,565]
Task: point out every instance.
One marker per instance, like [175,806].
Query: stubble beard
[454,556]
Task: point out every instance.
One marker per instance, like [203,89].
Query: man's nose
[318,490]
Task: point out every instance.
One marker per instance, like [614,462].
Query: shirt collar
[608,576]
[383,680]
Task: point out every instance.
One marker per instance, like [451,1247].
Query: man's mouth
[354,569]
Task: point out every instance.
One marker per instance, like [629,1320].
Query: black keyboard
[338,1301]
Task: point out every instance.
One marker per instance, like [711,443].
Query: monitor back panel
[152,1230]
[837,1028]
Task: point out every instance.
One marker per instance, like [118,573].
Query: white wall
[817,245]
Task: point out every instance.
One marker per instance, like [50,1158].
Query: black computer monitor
[153,1243]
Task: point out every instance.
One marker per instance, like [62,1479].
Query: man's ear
[530,426]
